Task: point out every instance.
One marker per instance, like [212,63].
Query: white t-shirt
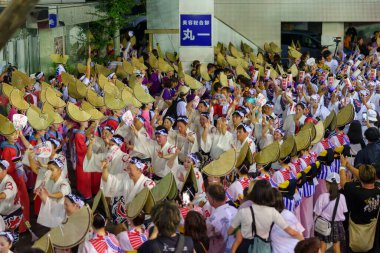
[282,242]
[264,217]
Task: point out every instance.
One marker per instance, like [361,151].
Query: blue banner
[52,20]
[195,30]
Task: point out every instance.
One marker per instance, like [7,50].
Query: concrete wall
[47,47]
[260,21]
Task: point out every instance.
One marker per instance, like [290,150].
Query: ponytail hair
[333,190]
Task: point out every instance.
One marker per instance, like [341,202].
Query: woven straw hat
[221,61]
[37,119]
[274,48]
[204,72]
[232,61]
[310,126]
[303,139]
[287,146]
[120,72]
[163,66]
[292,52]
[21,80]
[128,67]
[72,232]
[95,114]
[172,57]
[77,114]
[267,48]
[6,89]
[166,188]
[153,62]
[141,95]
[114,100]
[236,53]
[192,82]
[16,99]
[100,69]
[269,154]
[138,63]
[47,108]
[221,166]
[81,68]
[94,99]
[223,80]
[330,121]
[44,244]
[242,62]
[240,71]
[181,72]
[245,48]
[319,133]
[294,70]
[53,98]
[101,199]
[7,127]
[127,95]
[345,116]
[59,59]
[245,153]
[143,201]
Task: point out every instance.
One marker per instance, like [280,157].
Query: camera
[337,39]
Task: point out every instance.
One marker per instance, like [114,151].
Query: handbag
[259,245]
[322,225]
[362,236]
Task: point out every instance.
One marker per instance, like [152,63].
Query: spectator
[371,153]
[310,245]
[195,227]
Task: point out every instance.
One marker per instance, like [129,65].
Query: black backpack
[172,110]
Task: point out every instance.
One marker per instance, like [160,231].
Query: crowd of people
[243,154]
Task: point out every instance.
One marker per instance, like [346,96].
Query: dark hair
[241,127]
[326,53]
[302,105]
[98,221]
[341,128]
[367,174]
[355,132]
[166,217]
[333,190]
[278,200]
[310,245]
[372,134]
[217,86]
[139,219]
[216,192]
[32,250]
[195,226]
[286,159]
[262,193]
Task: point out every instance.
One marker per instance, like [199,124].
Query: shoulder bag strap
[156,247]
[180,244]
[253,221]
[335,209]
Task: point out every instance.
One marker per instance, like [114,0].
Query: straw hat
[67,78]
[138,63]
[94,99]
[44,244]
[294,70]
[273,73]
[267,48]
[245,48]
[77,89]
[330,121]
[244,154]
[120,85]
[280,70]
[6,89]
[166,188]
[101,199]
[128,67]
[292,52]
[127,95]
[53,99]
[16,99]
[46,107]
[221,166]
[153,62]
[73,231]
[81,68]
[269,154]
[236,53]
[95,114]
[100,69]
[232,61]
[221,61]
[163,66]
[143,201]
[7,127]
[57,119]
[345,115]
[260,59]
[319,133]
[274,48]
[114,100]
[253,58]
[59,58]
[120,72]
[21,80]
[243,63]
[303,139]
[172,57]
[223,80]
[313,131]
[77,114]
[192,82]
[190,182]
[287,146]
[181,72]
[141,95]
[204,72]
[37,119]
[241,71]
[159,51]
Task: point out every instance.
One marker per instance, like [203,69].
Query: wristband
[342,168]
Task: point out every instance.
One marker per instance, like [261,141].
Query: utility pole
[14,16]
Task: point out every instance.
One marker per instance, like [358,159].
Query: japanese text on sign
[195,30]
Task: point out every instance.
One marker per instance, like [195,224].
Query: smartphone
[185,198]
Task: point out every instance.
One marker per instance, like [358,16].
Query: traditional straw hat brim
[53,99]
[120,72]
[81,68]
[127,95]
[345,115]
[114,100]
[294,70]
[142,95]
[17,100]
[269,154]
[143,201]
[245,153]
[153,62]
[192,82]
[303,139]
[223,80]
[21,80]
[240,71]
[221,61]
[94,99]
[329,121]
[76,113]
[319,133]
[81,88]
[166,188]
[170,56]
[232,61]
[101,199]
[274,48]
[99,69]
[128,67]
[310,126]
[221,166]
[287,146]
[236,53]
[7,127]
[37,119]
[57,58]
[72,232]
[6,89]
[181,72]
[204,73]
[44,244]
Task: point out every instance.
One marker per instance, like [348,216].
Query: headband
[141,118]
[171,119]
[110,129]
[183,119]
[74,198]
[205,103]
[40,75]
[137,161]
[8,235]
[117,139]
[111,75]
[240,113]
[161,131]
[55,142]
[58,162]
[5,164]
[246,127]
[280,131]
[195,159]
[206,115]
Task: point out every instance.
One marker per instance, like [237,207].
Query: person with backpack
[178,107]
[330,208]
[166,218]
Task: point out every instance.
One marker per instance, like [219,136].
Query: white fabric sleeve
[278,219]
[123,239]
[114,186]
[94,164]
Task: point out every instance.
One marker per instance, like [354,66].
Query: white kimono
[10,203]
[185,145]
[52,212]
[179,170]
[217,143]
[114,156]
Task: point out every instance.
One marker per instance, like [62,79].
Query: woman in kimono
[52,191]
[10,208]
[123,187]
[135,236]
[186,140]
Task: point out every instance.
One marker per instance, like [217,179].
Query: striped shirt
[307,189]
